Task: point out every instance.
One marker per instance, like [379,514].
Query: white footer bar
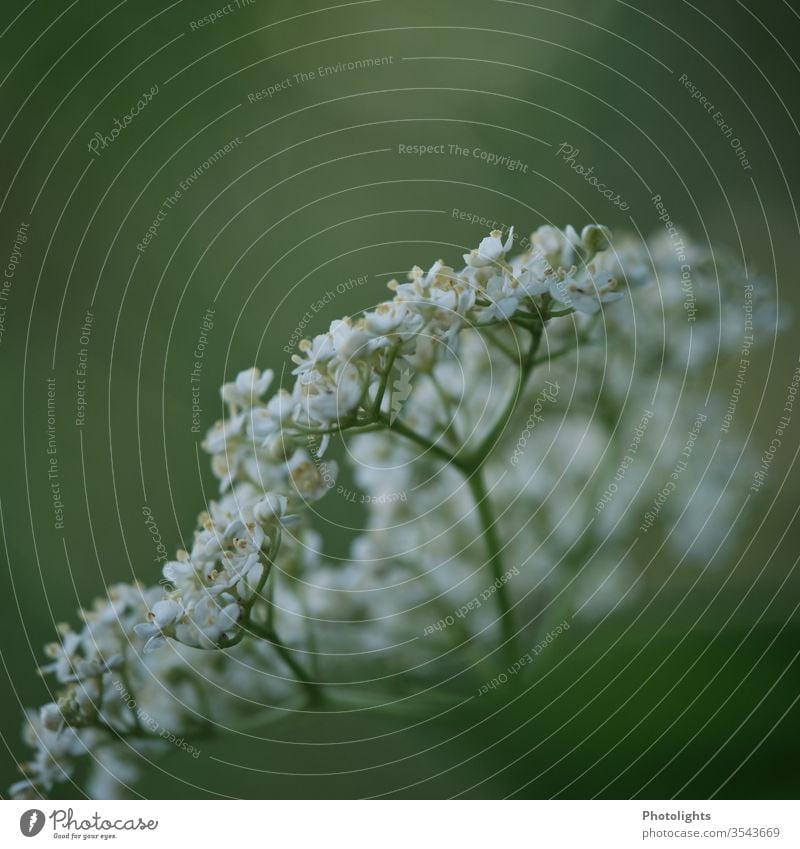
[403,824]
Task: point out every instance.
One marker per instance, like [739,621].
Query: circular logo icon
[31,822]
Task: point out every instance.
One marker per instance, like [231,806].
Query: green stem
[123,676]
[472,469]
[450,430]
[582,339]
[556,355]
[390,358]
[346,423]
[244,622]
[477,487]
[268,633]
[512,355]
[491,438]
[398,427]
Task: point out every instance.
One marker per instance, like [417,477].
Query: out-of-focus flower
[448,343]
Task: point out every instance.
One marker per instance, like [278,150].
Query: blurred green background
[703,689]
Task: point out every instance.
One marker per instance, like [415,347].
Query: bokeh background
[698,697]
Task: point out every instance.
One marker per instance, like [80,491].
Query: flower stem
[472,469]
[477,487]
[583,338]
[398,427]
[387,371]
[488,442]
[268,633]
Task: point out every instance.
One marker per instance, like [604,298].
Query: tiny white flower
[51,717]
[271,508]
[386,317]
[491,250]
[317,353]
[349,388]
[585,297]
[248,387]
[502,304]
[352,341]
[311,482]
[325,399]
[555,245]
[251,576]
[208,622]
[280,406]
[23,790]
[178,571]
[164,613]
[532,274]
[223,432]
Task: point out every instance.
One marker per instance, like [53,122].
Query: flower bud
[271,508]
[595,238]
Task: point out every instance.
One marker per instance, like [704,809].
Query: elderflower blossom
[451,336]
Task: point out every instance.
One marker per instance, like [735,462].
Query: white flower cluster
[597,458]
[114,705]
[254,571]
